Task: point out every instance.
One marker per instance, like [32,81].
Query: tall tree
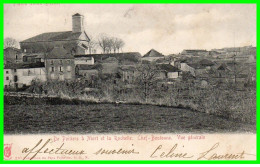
[10,42]
[104,42]
[119,44]
[146,79]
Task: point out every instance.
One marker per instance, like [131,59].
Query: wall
[13,56]
[186,67]
[24,76]
[88,73]
[151,58]
[84,60]
[8,73]
[109,68]
[173,75]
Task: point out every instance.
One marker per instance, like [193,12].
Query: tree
[146,80]
[119,44]
[114,42]
[91,45]
[104,42]
[10,42]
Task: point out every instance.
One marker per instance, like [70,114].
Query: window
[61,68]
[51,62]
[7,72]
[15,78]
[7,78]
[60,61]
[14,70]
[16,57]
[52,69]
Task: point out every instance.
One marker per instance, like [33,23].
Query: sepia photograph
[116,69]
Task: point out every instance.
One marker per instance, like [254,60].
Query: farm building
[152,55]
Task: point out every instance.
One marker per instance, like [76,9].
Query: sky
[167,28]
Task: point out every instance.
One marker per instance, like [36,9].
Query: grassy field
[111,118]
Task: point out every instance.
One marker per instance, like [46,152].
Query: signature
[210,154]
[159,152]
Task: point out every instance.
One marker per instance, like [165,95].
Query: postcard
[129,82]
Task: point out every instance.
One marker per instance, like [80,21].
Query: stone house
[13,55]
[128,73]
[87,71]
[60,64]
[19,75]
[110,65]
[167,71]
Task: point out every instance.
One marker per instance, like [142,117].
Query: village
[65,56]
[62,64]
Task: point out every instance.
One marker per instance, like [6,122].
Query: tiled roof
[167,67]
[88,67]
[126,68]
[129,56]
[110,60]
[59,53]
[224,67]
[23,65]
[54,36]
[12,48]
[153,53]
[194,50]
[206,62]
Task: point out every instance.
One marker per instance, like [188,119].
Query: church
[75,41]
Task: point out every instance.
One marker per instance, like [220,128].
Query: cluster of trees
[106,43]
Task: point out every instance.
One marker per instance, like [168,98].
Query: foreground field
[111,118]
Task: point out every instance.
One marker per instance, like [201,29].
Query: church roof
[153,53]
[55,36]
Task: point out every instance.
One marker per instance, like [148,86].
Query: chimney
[77,23]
